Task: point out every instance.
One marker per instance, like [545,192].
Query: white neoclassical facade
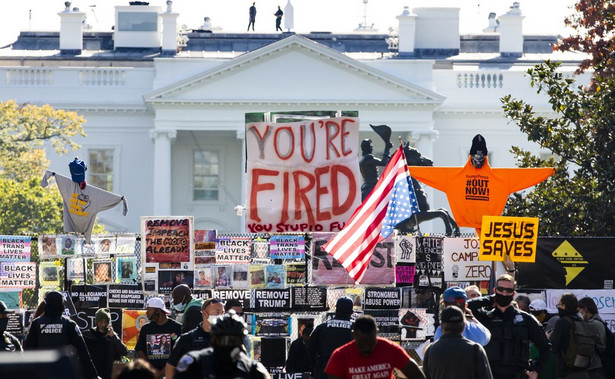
[166,122]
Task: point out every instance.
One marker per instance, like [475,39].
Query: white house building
[166,119]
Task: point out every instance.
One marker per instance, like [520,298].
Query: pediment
[294,70]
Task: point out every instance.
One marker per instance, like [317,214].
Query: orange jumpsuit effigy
[473,193]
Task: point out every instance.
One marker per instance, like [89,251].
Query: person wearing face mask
[197,339]
[226,358]
[512,330]
[186,307]
[8,342]
[158,326]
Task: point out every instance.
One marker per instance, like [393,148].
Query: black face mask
[503,300]
[3,324]
[565,312]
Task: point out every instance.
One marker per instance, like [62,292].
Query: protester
[330,335]
[523,302]
[187,307]
[454,356]
[226,358]
[512,330]
[8,342]
[235,305]
[53,330]
[197,339]
[104,344]
[158,326]
[370,355]
[473,330]
[297,360]
[589,311]
[472,292]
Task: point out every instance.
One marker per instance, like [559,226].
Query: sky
[541,16]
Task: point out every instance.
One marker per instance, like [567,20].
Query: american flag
[391,201]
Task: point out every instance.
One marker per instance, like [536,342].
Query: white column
[162,170]
[511,32]
[241,135]
[425,141]
[71,30]
[424,144]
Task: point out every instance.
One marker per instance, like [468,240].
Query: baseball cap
[452,314]
[453,293]
[3,308]
[344,305]
[538,305]
[77,170]
[156,302]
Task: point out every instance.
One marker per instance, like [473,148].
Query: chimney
[169,30]
[137,26]
[511,32]
[407,32]
[437,31]
[71,30]
[493,23]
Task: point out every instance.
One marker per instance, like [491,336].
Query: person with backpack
[573,340]
[600,360]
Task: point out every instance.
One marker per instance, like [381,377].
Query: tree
[25,207]
[593,26]
[579,199]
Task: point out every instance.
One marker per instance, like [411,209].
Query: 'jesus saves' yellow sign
[512,236]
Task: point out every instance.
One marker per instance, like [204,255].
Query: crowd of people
[479,337]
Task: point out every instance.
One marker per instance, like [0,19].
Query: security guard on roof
[226,358]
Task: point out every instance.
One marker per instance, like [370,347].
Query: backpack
[581,346]
[608,356]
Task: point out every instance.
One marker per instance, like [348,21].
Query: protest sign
[132,322]
[302,176]
[514,237]
[233,249]
[404,274]
[405,249]
[309,298]
[167,239]
[387,322]
[15,248]
[296,274]
[17,275]
[126,296]
[461,263]
[382,298]
[241,295]
[287,246]
[271,300]
[86,319]
[86,296]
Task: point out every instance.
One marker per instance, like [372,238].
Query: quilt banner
[302,176]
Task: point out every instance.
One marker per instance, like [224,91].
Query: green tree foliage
[579,200]
[25,207]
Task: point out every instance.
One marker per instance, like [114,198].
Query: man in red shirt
[369,356]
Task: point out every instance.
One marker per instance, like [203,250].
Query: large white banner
[302,176]
[604,299]
[461,264]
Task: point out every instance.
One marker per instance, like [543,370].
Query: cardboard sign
[461,261]
[168,239]
[309,298]
[512,236]
[382,298]
[14,248]
[17,275]
[271,300]
[287,247]
[302,176]
[126,296]
[404,274]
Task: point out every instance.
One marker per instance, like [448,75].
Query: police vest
[510,340]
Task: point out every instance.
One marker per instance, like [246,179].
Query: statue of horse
[415,158]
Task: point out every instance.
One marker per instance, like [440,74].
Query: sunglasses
[503,289]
